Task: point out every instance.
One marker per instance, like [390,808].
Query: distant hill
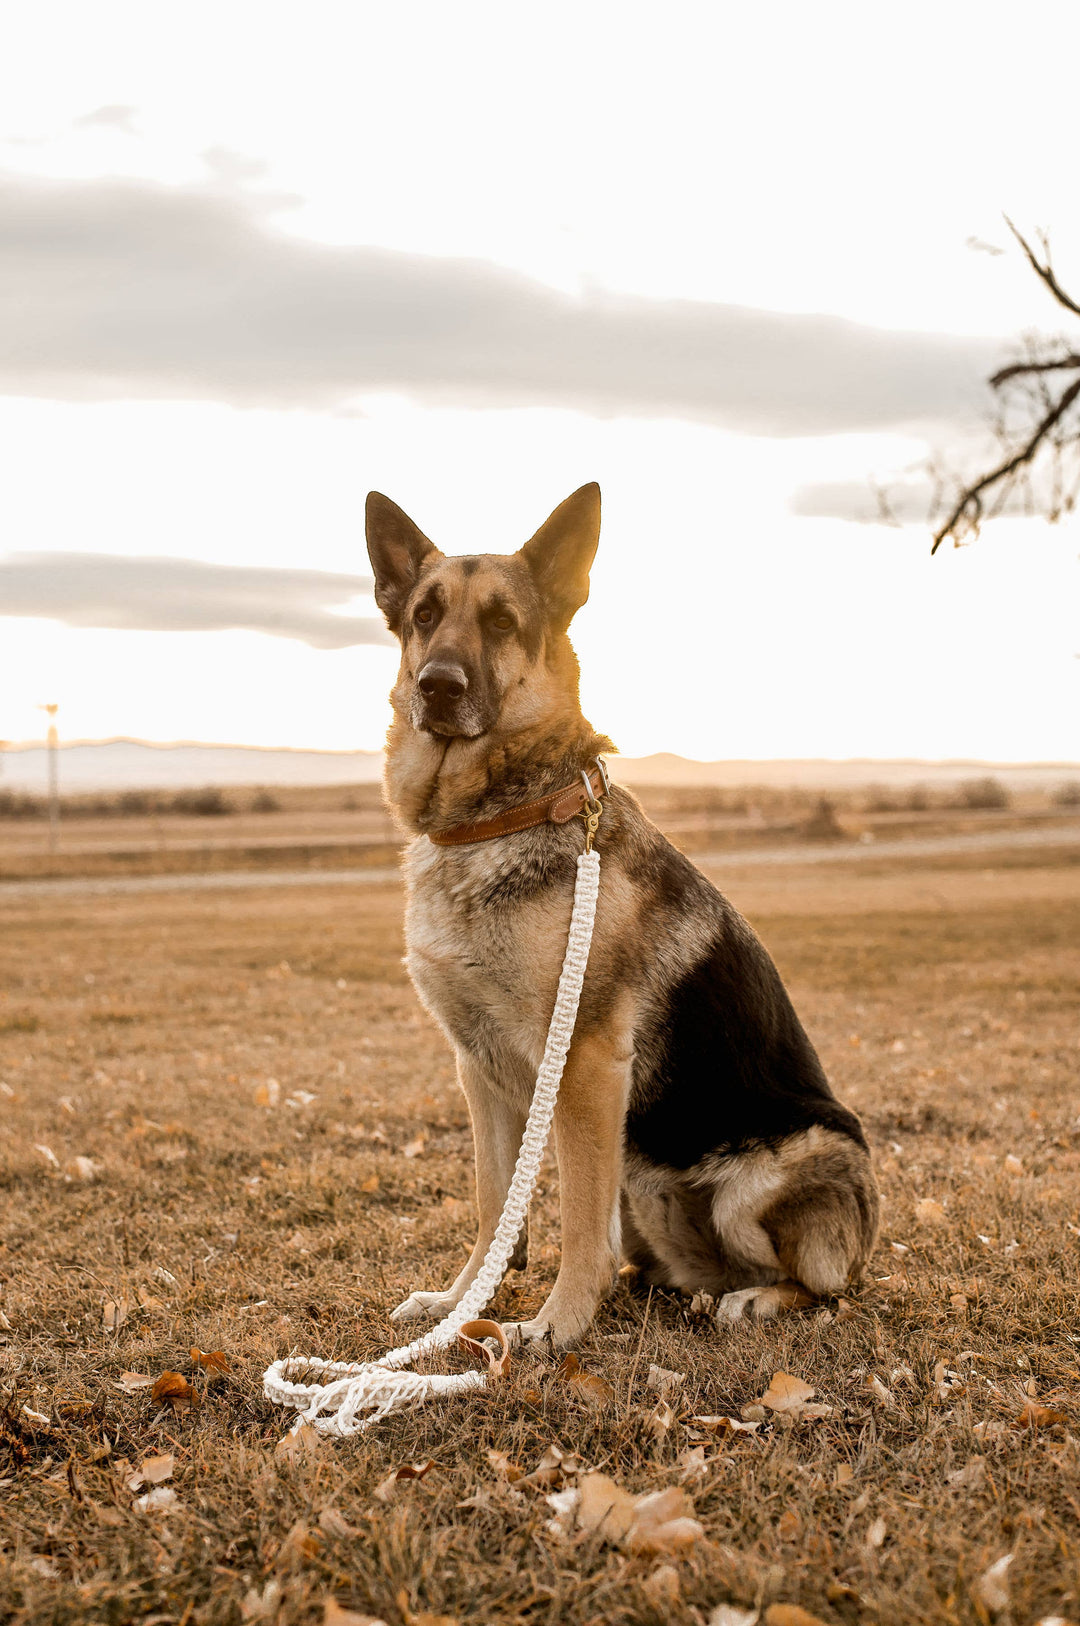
[125,764]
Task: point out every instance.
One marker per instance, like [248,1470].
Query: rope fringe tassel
[352,1396]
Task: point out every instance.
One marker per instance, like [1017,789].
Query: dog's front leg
[589,1119]
[498,1123]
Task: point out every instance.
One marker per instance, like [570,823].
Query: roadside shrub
[210,802]
[983,794]
[264,801]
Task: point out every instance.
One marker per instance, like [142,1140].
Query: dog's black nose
[440,680]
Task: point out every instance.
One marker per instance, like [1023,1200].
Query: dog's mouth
[448,731]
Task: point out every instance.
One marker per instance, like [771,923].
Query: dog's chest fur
[484,938]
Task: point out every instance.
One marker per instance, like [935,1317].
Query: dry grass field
[156,1176]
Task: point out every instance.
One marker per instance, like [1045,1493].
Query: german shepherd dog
[695,1129]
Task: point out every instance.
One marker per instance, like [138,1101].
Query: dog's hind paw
[762,1303]
[424,1307]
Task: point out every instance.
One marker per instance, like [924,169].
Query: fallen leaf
[335,1615]
[554,1466]
[662,1588]
[991,1589]
[728,1425]
[786,1394]
[299,1445]
[212,1360]
[174,1388]
[408,1470]
[879,1390]
[473,1336]
[43,1566]
[928,1212]
[875,1536]
[267,1094]
[789,1525]
[336,1524]
[660,1419]
[415,1147]
[693,1465]
[661,1379]
[114,1313]
[130,1382]
[80,1168]
[262,1605]
[370,1184]
[301,1543]
[152,1471]
[656,1523]
[1013,1165]
[1034,1416]
[587,1386]
[504,1468]
[727,1614]
[970,1476]
[843,1473]
[158,1500]
[789,1614]
[300,1098]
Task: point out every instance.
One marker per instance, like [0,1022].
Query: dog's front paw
[424,1307]
[557,1332]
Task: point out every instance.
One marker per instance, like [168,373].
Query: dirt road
[846,852]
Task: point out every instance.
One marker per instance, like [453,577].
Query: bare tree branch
[1018,368]
[969,505]
[1045,270]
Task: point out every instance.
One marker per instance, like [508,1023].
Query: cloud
[114,116]
[124,288]
[186,595]
[907,502]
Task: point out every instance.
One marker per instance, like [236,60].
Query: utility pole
[53,742]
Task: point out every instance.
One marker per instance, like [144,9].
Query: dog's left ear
[560,555]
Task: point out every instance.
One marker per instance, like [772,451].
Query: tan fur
[741,1224]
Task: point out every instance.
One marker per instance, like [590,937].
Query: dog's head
[483,638]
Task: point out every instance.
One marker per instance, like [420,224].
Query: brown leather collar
[559,807]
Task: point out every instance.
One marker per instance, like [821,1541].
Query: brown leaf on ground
[385,1490]
[422,1619]
[174,1388]
[929,1212]
[1035,1416]
[415,1147]
[158,1500]
[301,1544]
[333,1523]
[212,1360]
[554,1467]
[789,1614]
[660,1419]
[729,1614]
[267,1094]
[114,1312]
[473,1336]
[335,1615]
[659,1522]
[299,1445]
[504,1468]
[661,1379]
[131,1382]
[662,1588]
[970,1476]
[990,1591]
[587,1386]
[81,1168]
[786,1394]
[725,1426]
[152,1471]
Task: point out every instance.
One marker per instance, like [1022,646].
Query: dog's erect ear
[561,554]
[397,548]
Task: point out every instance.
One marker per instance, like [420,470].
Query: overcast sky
[738,264]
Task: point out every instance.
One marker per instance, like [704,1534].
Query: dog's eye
[504,622]
[423,616]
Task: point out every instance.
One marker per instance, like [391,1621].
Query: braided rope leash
[380,1387]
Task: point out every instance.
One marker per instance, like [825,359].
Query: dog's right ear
[397,549]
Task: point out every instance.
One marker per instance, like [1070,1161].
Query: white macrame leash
[380,1387]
